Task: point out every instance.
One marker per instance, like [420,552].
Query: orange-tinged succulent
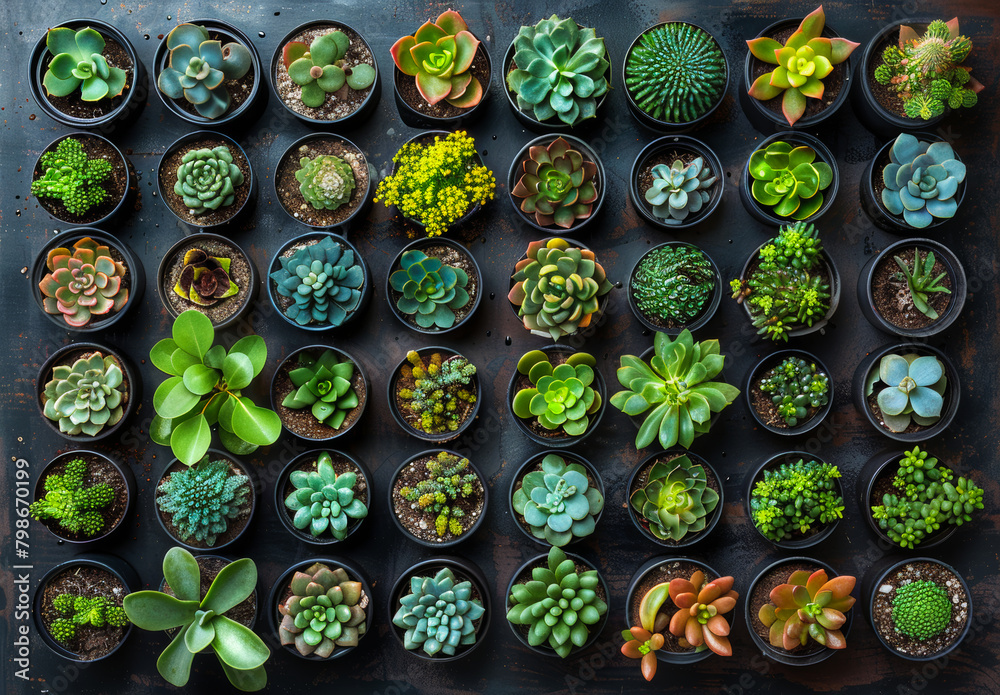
[808,606]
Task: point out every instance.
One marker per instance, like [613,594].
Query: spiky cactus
[202,500]
[78,611]
[77,508]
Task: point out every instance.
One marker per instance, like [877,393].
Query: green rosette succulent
[78,62]
[920,281]
[676,500]
[561,396]
[87,396]
[76,508]
[207,179]
[323,385]
[432,291]
[911,389]
[324,501]
[789,180]
[439,614]
[83,283]
[678,190]
[557,185]
[558,503]
[324,282]
[325,610]
[326,182]
[921,181]
[72,178]
[319,68]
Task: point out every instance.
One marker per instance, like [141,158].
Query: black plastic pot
[74,350]
[255,488]
[656,124]
[780,655]
[66,239]
[432,438]
[366,289]
[693,538]
[707,313]
[767,121]
[771,361]
[763,214]
[465,534]
[463,570]
[420,244]
[352,120]
[111,564]
[237,119]
[200,558]
[951,395]
[318,349]
[278,589]
[515,172]
[680,144]
[773,462]
[563,440]
[131,103]
[872,204]
[418,119]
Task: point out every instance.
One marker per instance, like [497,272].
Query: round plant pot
[358,110]
[123,109]
[775,425]
[238,116]
[166,176]
[281,590]
[799,542]
[302,423]
[286,186]
[879,589]
[417,113]
[287,249]
[764,214]
[758,594]
[236,528]
[658,324]
[135,276]
[956,300]
[516,170]
[456,253]
[664,151]
[254,605]
[533,463]
[634,484]
[413,431]
[226,312]
[84,568]
[394,510]
[464,570]
[767,121]
[101,468]
[560,440]
[951,395]
[871,193]
[122,186]
[67,355]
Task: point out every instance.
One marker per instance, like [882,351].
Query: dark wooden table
[495,340]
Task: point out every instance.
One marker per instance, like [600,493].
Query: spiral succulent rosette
[557,184]
[83,283]
[922,181]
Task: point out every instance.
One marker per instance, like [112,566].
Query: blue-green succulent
[324,282]
[921,181]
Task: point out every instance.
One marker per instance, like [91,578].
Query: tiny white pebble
[885,588]
[391,131]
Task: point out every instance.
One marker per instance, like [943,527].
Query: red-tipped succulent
[440,57]
[83,283]
[808,606]
[557,185]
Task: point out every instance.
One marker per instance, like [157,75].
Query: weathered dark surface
[619,237]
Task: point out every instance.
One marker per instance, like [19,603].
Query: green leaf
[153,610]
[255,425]
[174,663]
[190,440]
[235,444]
[231,586]
[252,346]
[193,333]
[197,636]
[181,572]
[237,645]
[237,370]
[160,354]
[160,429]
[249,681]
[172,399]
[200,379]
[214,357]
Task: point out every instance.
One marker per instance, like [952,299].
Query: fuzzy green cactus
[558,503]
[319,67]
[87,396]
[324,282]
[432,291]
[202,500]
[324,501]
[679,190]
[921,610]
[326,182]
[439,614]
[70,177]
[207,179]
[77,611]
[326,610]
[77,508]
[83,283]
[78,62]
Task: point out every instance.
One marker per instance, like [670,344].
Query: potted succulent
[319,393]
[556,499]
[443,167]
[85,73]
[438,498]
[675,498]
[319,282]
[910,499]
[550,99]
[798,611]
[789,286]
[206,604]
[809,66]
[77,607]
[210,274]
[86,281]
[434,394]
[208,72]
[325,74]
[676,182]
[206,180]
[442,73]
[675,76]
[83,496]
[908,392]
[794,500]
[539,621]
[674,286]
[451,592]
[791,177]
[680,612]
[325,181]
[434,286]
[557,181]
[323,496]
[789,392]
[321,609]
[571,274]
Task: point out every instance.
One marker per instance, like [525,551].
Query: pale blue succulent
[913,390]
[679,190]
[439,614]
[921,181]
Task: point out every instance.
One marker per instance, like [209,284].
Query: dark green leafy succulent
[676,500]
[77,508]
[789,180]
[325,610]
[323,281]
[323,385]
[324,501]
[795,498]
[795,386]
[78,62]
[673,283]
[561,396]
[432,291]
[921,283]
[439,614]
[558,503]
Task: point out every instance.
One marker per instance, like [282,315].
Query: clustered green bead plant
[921,610]
[557,503]
[319,68]
[672,285]
[325,609]
[207,179]
[78,63]
[79,510]
[321,284]
[439,615]
[676,501]
[796,499]
[76,612]
[908,389]
[88,396]
[797,389]
[561,398]
[326,182]
[436,395]
[921,284]
[72,178]
[789,180]
[557,185]
[323,502]
[680,190]
[447,481]
[808,607]
[204,501]
[431,291]
[921,181]
[324,385]
[84,284]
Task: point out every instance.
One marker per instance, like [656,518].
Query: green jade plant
[326,182]
[448,481]
[921,610]
[432,291]
[325,610]
[795,386]
[439,387]
[808,607]
[202,500]
[318,68]
[204,280]
[676,500]
[324,386]
[921,283]
[679,190]
[83,283]
[561,396]
[558,503]
[789,180]
[324,501]
[673,283]
[921,181]
[794,498]
[78,62]
[323,281]
[86,397]
[76,508]
[72,178]
[912,390]
[557,186]
[207,179]
[439,614]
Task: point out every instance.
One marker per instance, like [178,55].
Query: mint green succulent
[439,614]
[558,503]
[326,182]
[86,397]
[324,501]
[78,62]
